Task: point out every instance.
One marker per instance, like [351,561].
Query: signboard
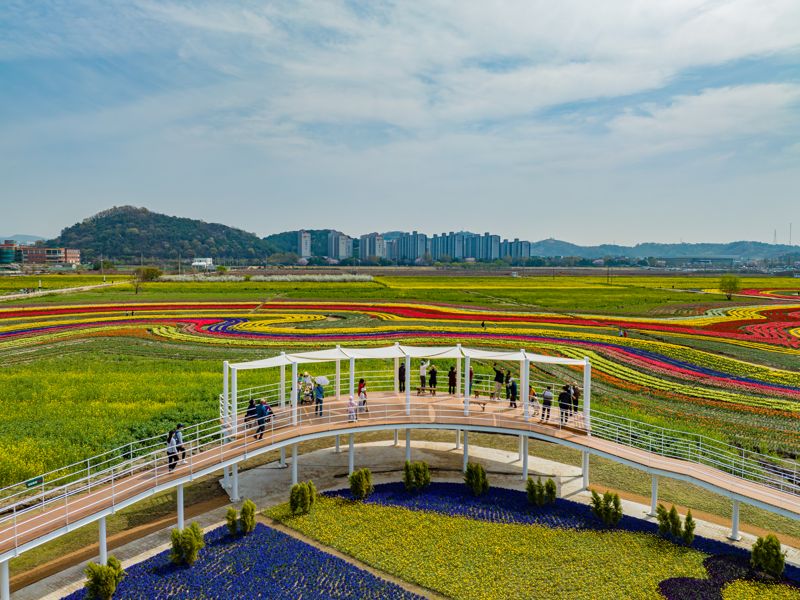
[34,482]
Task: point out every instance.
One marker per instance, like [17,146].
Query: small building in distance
[37,254]
[203,263]
[303,244]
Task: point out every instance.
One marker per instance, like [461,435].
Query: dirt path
[416,589]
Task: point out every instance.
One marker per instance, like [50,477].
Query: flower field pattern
[263,564]
[498,546]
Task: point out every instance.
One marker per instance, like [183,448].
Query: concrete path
[269,484]
[83,288]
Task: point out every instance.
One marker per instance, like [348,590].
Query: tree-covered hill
[287,241]
[126,232]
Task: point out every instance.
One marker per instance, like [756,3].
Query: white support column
[294,393]
[396,437]
[587,395]
[226,483]
[585,469]
[408,445]
[735,536]
[103,541]
[653,495]
[525,458]
[353,377]
[458,371]
[458,439]
[283,383]
[235,485]
[179,502]
[282,461]
[525,376]
[5,581]
[234,402]
[408,385]
[351,456]
[396,377]
[466,451]
[337,444]
[519,448]
[467,391]
[338,379]
[294,464]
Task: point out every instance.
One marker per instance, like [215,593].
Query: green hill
[287,241]
[126,232]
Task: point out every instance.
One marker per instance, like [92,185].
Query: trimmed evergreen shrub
[301,498]
[232,520]
[535,491]
[550,491]
[186,545]
[607,508]
[248,519]
[662,514]
[361,483]
[688,529]
[475,478]
[674,523]
[767,556]
[416,475]
[312,493]
[102,580]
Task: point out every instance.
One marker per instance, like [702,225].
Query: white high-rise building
[371,245]
[303,244]
[340,246]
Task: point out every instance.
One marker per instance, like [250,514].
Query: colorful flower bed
[498,546]
[263,564]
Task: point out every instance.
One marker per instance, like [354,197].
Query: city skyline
[622,123]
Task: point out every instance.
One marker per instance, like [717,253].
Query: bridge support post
[179,502]
[735,536]
[282,461]
[396,375]
[294,394]
[458,439]
[5,581]
[467,391]
[396,437]
[408,445]
[294,464]
[226,482]
[466,451]
[585,469]
[525,458]
[351,456]
[519,448]
[337,445]
[235,486]
[653,496]
[103,541]
[408,385]
[458,371]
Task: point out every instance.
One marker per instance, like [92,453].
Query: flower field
[499,546]
[263,564]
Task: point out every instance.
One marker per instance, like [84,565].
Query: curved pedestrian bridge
[51,507]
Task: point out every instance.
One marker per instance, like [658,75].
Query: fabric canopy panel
[398,351]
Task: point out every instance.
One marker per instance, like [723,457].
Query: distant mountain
[742,250]
[22,238]
[126,232]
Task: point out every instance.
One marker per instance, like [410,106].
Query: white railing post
[396,377]
[338,377]
[587,395]
[467,390]
[225,402]
[353,378]
[179,502]
[585,469]
[283,382]
[234,403]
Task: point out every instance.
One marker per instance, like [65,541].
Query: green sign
[34,482]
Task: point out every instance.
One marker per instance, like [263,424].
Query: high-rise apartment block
[340,246]
[303,244]
[371,246]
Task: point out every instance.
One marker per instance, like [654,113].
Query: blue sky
[620,121]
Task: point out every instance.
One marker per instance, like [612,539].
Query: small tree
[301,498]
[186,545]
[232,520]
[730,285]
[674,523]
[475,478]
[361,483]
[550,491]
[416,475]
[662,514]
[312,493]
[102,580]
[767,556]
[607,508]
[688,529]
[143,274]
[535,491]
[248,518]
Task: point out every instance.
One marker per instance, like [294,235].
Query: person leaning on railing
[547,401]
[172,450]
[179,442]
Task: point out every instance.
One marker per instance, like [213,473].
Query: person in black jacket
[512,393]
[432,380]
[250,414]
[451,381]
[499,378]
[401,376]
[564,404]
[507,380]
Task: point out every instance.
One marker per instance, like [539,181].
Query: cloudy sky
[614,121]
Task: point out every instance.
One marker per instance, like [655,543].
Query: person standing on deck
[179,442]
[319,394]
[451,381]
[499,378]
[512,393]
[423,374]
[401,376]
[172,450]
[564,404]
[547,401]
[432,380]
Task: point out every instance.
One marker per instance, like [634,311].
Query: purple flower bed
[502,505]
[263,564]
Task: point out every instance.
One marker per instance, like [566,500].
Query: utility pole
[179,263]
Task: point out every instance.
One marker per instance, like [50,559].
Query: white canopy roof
[400,351]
